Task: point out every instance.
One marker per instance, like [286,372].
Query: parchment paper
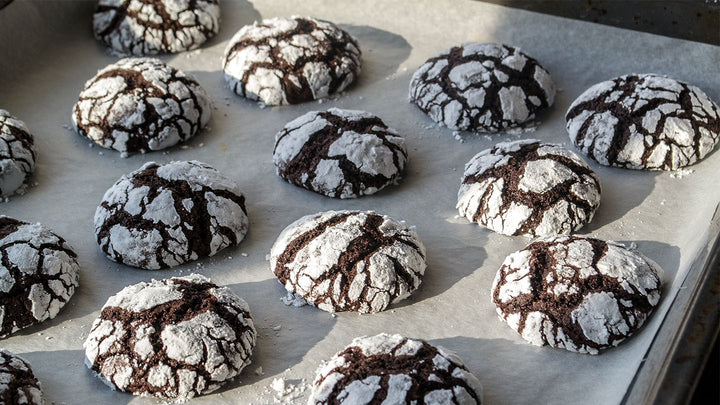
[47,52]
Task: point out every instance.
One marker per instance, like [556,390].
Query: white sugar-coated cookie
[644,121]
[339,153]
[18,384]
[291,60]
[349,260]
[175,338]
[140,104]
[482,87]
[392,369]
[148,27]
[38,274]
[162,216]
[530,188]
[17,154]
[575,292]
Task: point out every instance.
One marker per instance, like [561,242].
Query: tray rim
[667,374]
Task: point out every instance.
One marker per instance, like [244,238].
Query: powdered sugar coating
[139,104]
[38,274]
[644,121]
[291,60]
[484,87]
[530,188]
[17,154]
[392,369]
[190,339]
[148,27]
[18,385]
[577,293]
[349,260]
[339,153]
[161,216]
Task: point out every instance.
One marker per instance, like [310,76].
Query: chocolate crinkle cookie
[575,292]
[291,60]
[17,154]
[392,369]
[162,216]
[173,339]
[38,274]
[148,27]
[482,87]
[140,104]
[339,153]
[644,121]
[18,384]
[530,188]
[349,260]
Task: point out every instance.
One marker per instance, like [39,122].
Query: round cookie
[483,87]
[18,384]
[339,153]
[575,292]
[162,216]
[291,60]
[528,188]
[174,338]
[644,121]
[38,274]
[148,27]
[139,104]
[392,369]
[17,154]
[349,260]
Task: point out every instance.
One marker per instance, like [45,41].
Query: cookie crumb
[278,385]
[681,173]
[291,298]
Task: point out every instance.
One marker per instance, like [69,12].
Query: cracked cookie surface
[482,87]
[291,60]
[174,338]
[140,104]
[161,216]
[339,153]
[644,121]
[528,188]
[349,260]
[148,27]
[17,154]
[577,293]
[38,274]
[18,384]
[392,369]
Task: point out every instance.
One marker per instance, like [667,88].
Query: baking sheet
[47,52]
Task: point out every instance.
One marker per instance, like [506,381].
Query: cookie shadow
[665,255]
[69,381]
[622,190]
[234,15]
[382,53]
[285,333]
[448,255]
[533,369]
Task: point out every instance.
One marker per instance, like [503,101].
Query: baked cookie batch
[185,336]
